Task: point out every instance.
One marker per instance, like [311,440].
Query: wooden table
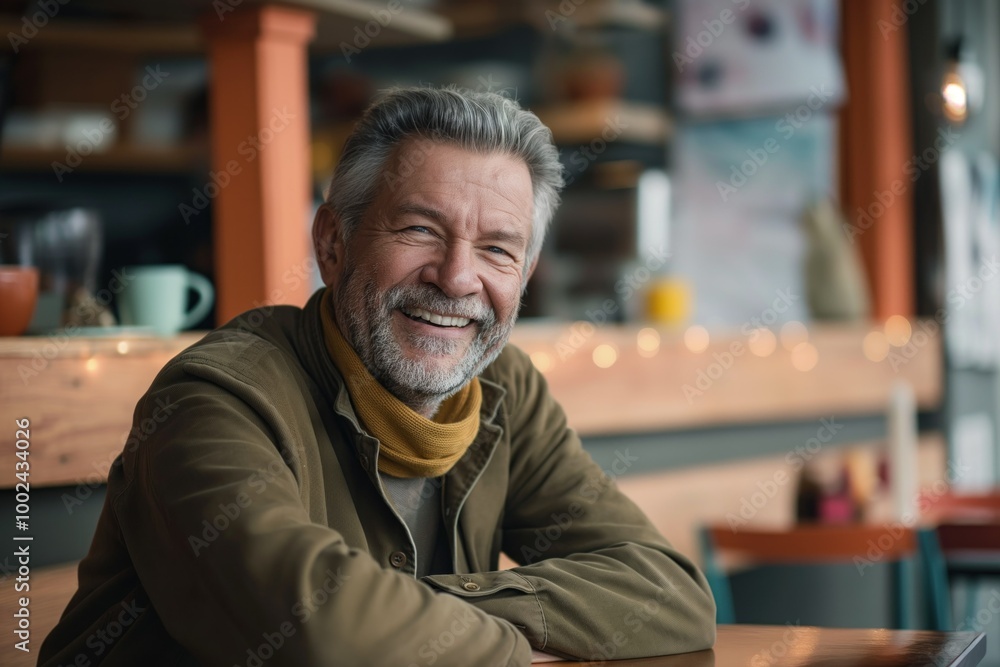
[800,646]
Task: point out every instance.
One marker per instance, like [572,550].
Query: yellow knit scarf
[412,445]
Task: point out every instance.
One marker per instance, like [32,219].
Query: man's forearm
[625,601]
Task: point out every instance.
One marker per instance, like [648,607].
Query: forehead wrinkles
[464,203]
[436,170]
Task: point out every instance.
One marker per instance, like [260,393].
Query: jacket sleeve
[213,519]
[599,580]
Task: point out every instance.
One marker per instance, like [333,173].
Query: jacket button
[470,586]
[397,559]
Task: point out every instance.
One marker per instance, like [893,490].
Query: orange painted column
[876,145]
[259,104]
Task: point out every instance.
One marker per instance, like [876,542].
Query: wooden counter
[671,387]
[79,393]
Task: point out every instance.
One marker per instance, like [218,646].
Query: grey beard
[367,318]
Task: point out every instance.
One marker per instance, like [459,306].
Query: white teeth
[434,318]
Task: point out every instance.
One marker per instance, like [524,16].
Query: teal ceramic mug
[156,296]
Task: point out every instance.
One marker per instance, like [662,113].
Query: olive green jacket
[244,524]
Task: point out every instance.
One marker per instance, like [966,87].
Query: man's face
[428,287]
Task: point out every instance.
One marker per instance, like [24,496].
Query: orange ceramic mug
[18,293]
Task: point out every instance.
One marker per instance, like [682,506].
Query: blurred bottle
[862,479]
[808,496]
[837,506]
[880,507]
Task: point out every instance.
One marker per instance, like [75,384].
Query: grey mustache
[409,298]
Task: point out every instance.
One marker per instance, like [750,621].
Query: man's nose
[454,272]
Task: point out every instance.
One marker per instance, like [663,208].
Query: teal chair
[970,553]
[968,532]
[808,544]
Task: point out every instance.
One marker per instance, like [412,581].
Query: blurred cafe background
[769,302]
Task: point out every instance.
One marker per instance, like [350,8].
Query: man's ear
[328,241]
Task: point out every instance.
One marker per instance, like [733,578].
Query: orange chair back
[817,544]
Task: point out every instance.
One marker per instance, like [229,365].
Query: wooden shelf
[172,28]
[633,14]
[114,36]
[338,19]
[584,122]
[481,18]
[639,394]
[117,158]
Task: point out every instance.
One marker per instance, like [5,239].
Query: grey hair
[474,120]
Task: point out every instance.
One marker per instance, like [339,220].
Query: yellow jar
[668,301]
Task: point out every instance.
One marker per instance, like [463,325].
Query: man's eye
[496,250]
[418,228]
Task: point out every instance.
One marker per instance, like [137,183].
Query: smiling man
[427,283]
[336,485]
